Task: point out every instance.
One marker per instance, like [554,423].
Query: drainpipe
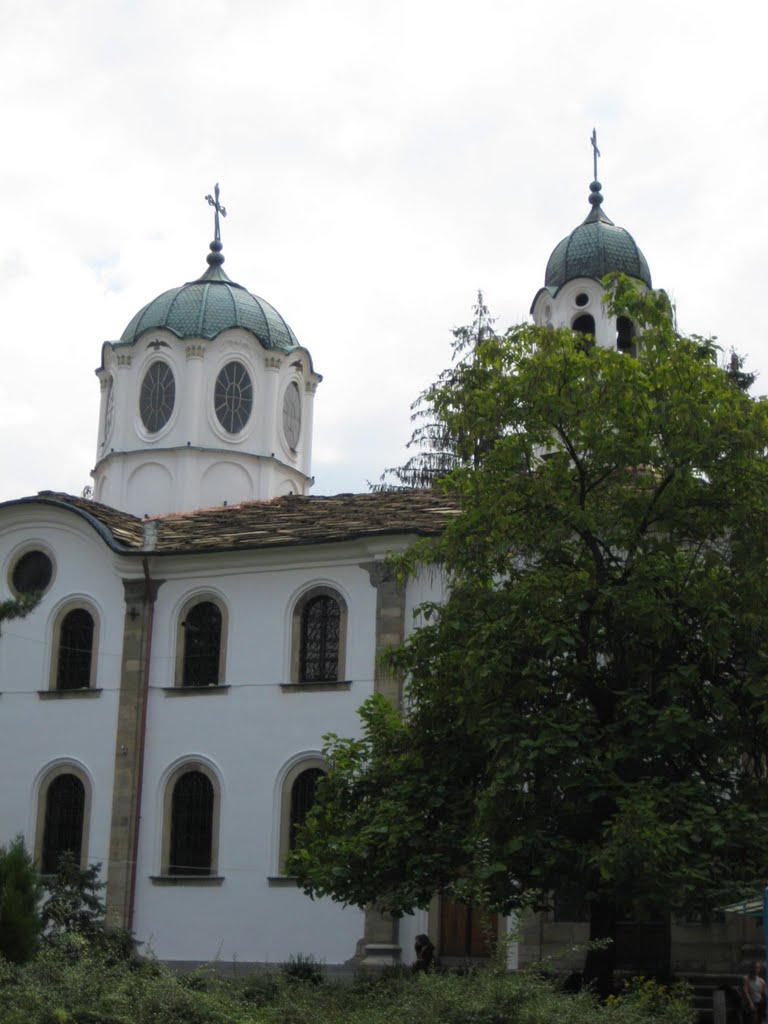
[150,599]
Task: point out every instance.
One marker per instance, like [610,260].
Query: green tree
[73,902]
[19,898]
[588,709]
[435,449]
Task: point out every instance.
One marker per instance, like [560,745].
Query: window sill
[86,692]
[193,691]
[282,882]
[316,687]
[204,880]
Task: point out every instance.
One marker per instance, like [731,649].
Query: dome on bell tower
[595,248]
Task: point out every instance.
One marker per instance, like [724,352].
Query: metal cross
[594,147]
[214,202]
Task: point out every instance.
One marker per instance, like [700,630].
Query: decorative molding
[379,572]
[84,691]
[123,359]
[195,351]
[205,880]
[343,684]
[311,387]
[273,362]
[188,691]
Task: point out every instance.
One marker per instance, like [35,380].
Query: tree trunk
[600,963]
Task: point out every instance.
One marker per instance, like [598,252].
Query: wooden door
[465,931]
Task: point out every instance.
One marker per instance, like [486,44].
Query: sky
[380,163]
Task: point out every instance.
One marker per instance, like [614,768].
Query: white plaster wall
[36,734]
[248,734]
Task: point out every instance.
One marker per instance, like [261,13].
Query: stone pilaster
[380,945]
[125,793]
[390,626]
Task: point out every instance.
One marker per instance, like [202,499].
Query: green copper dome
[212,304]
[595,248]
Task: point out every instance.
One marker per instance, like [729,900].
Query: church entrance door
[465,932]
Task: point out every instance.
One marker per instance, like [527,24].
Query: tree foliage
[73,902]
[18,608]
[588,709]
[19,897]
[435,449]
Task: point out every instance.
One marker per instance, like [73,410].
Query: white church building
[204,621]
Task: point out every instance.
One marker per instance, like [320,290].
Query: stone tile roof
[286,521]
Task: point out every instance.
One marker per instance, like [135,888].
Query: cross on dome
[595,154]
[214,202]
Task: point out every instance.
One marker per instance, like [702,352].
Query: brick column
[125,793]
[380,945]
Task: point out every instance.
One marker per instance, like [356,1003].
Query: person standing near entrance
[425,953]
[753,994]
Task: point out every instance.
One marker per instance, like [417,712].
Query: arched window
[302,799]
[63,821]
[585,324]
[320,639]
[75,650]
[297,796]
[201,659]
[625,336]
[191,826]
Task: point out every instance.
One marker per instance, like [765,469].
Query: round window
[582,299]
[292,414]
[32,573]
[157,397]
[233,397]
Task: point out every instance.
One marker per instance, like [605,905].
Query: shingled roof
[286,521]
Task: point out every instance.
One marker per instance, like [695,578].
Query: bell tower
[572,295]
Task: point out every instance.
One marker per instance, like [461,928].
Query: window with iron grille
[75,650]
[157,396]
[63,826]
[320,631]
[202,645]
[302,799]
[191,825]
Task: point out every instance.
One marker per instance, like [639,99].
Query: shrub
[20,923]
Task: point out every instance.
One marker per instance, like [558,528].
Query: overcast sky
[380,162]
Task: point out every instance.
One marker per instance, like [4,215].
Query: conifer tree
[20,923]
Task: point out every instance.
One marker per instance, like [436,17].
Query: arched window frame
[56,641]
[297,633]
[181,639]
[307,762]
[175,776]
[49,777]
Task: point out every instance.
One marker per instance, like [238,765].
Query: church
[204,621]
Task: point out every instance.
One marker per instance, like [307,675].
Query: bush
[74,981]
[303,968]
[652,1000]
[20,923]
